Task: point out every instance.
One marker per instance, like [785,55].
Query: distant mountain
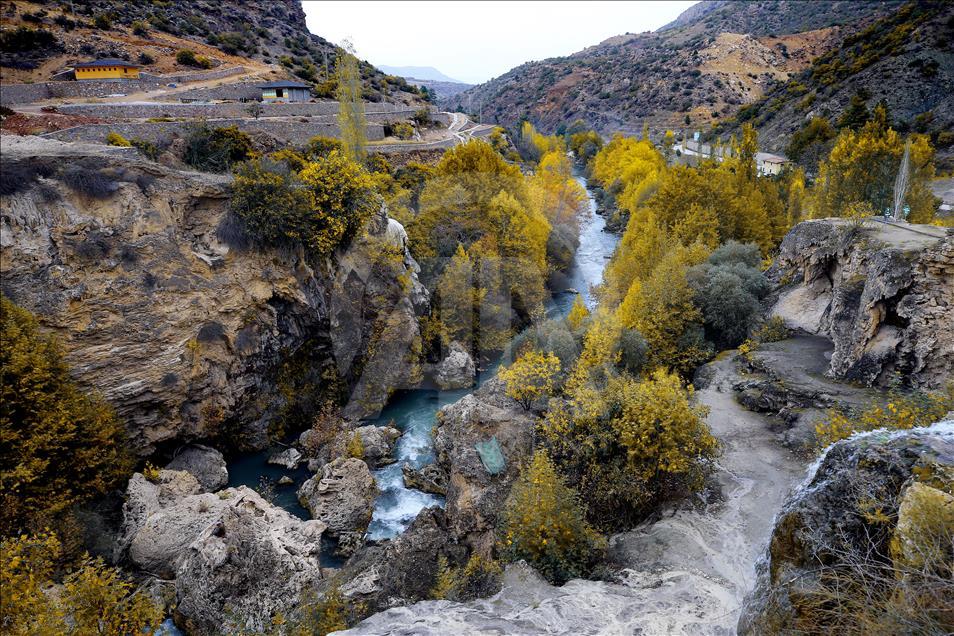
[419,72]
[700,69]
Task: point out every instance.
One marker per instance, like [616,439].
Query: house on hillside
[770,164]
[285,91]
[108,69]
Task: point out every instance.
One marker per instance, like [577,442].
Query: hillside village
[659,340]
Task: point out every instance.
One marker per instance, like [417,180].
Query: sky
[475,41]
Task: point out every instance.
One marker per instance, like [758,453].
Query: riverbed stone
[430,478]
[456,370]
[205,463]
[288,458]
[377,443]
[342,496]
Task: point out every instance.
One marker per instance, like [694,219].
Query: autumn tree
[863,166]
[320,207]
[531,377]
[543,524]
[578,313]
[351,119]
[93,599]
[60,446]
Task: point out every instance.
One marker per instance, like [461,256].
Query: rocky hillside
[185,333]
[266,36]
[702,67]
[905,59]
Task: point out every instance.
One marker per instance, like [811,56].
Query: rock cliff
[884,294]
[187,337]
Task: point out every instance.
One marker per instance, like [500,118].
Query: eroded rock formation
[884,294]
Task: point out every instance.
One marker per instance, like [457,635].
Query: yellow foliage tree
[660,429]
[578,313]
[862,168]
[543,524]
[59,446]
[531,377]
[351,118]
[94,599]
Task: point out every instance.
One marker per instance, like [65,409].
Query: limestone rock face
[206,464]
[342,497]
[831,521]
[456,370]
[187,337]
[475,497]
[884,295]
[377,339]
[232,555]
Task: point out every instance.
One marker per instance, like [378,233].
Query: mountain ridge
[713,59]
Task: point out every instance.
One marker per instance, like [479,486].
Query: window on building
[279,92]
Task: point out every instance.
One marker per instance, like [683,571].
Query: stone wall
[29,93]
[328,110]
[293,132]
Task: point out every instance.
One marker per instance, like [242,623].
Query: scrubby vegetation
[93,599]
[900,412]
[218,149]
[60,447]
[318,207]
[543,524]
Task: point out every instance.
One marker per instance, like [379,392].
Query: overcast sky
[474,41]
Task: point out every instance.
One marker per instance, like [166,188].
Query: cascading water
[415,412]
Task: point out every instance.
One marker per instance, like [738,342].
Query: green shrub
[24,39]
[319,146]
[115,139]
[218,149]
[147,148]
[102,22]
[543,524]
[403,130]
[145,59]
[772,330]
[60,446]
[188,57]
[479,578]
[140,27]
[320,207]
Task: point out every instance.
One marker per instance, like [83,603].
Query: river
[414,412]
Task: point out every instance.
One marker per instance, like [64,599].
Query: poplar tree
[351,119]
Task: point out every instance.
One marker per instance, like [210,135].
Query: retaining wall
[373,111]
[28,93]
[292,132]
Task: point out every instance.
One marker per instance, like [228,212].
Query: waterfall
[902,182]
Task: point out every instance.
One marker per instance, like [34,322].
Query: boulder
[232,555]
[250,563]
[206,464]
[403,570]
[341,496]
[288,458]
[456,370]
[145,498]
[484,419]
[862,500]
[430,478]
[376,441]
